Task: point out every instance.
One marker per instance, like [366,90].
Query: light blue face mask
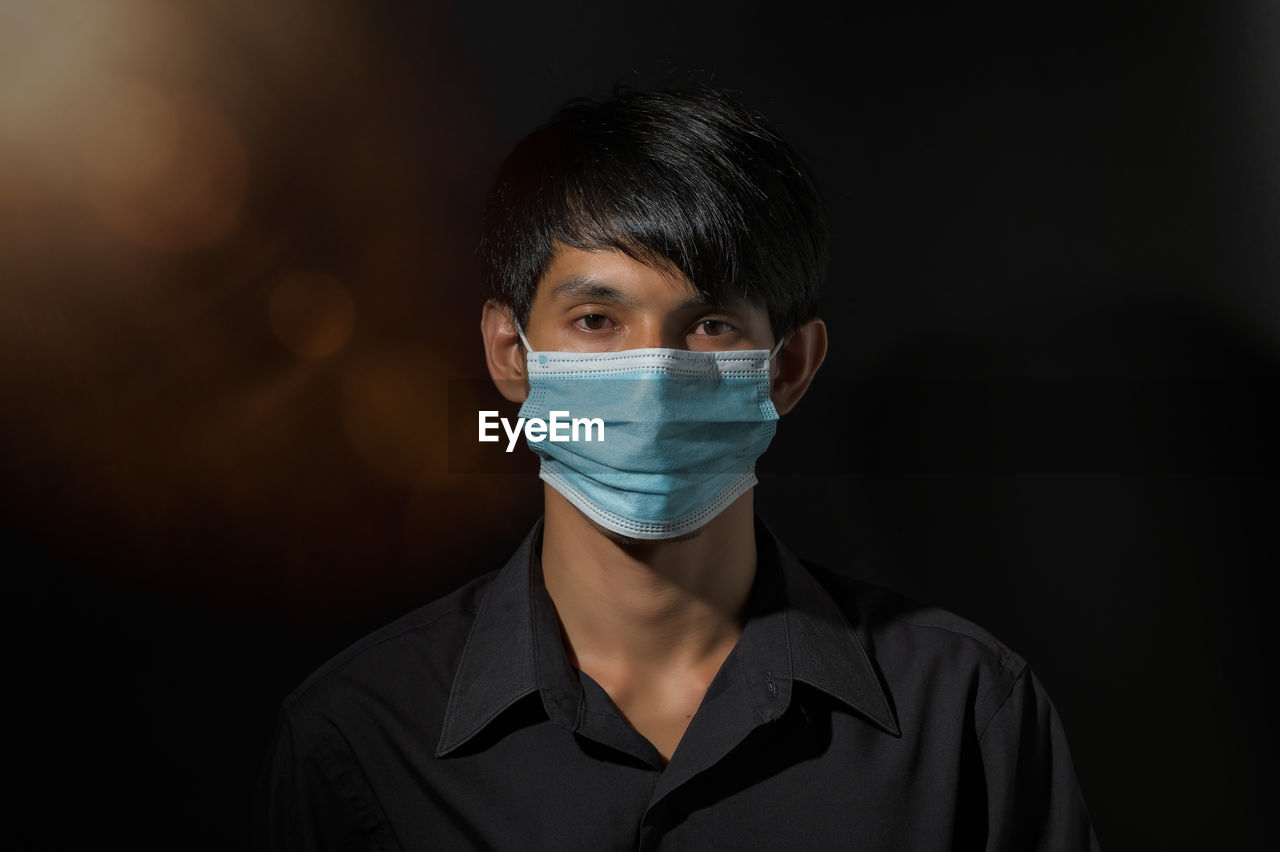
[682,432]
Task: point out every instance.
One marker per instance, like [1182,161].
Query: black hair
[677,177]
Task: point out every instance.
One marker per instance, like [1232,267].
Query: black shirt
[846,717]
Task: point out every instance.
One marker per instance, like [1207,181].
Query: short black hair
[685,177]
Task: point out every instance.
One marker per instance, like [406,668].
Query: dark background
[236,282]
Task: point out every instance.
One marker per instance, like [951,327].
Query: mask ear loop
[774,351]
[523,339]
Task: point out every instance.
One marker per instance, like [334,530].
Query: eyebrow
[597,290]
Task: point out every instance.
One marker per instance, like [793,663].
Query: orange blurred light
[163,168]
[312,314]
[394,413]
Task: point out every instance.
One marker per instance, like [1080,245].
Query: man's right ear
[503,352]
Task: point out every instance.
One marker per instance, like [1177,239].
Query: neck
[643,607]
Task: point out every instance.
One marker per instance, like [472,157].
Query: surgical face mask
[681,432]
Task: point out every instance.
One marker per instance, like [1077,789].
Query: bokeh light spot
[394,413]
[133,141]
[312,314]
[165,169]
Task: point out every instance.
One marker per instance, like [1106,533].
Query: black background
[1049,403]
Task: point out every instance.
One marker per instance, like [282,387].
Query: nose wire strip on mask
[528,348]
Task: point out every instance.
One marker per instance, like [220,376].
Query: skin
[650,621]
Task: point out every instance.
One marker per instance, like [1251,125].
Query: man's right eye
[592,322]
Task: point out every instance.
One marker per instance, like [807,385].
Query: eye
[593,322]
[713,327]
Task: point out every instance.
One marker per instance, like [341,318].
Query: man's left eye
[593,322]
[714,327]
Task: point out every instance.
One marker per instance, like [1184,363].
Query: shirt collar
[794,632]
[826,652]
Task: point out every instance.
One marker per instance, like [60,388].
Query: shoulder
[412,659]
[927,655]
[891,616]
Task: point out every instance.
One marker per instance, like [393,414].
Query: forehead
[573,269]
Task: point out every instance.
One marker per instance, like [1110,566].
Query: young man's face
[597,301]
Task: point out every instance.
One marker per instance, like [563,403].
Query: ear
[503,352]
[797,363]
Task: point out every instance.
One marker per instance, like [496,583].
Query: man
[653,669]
